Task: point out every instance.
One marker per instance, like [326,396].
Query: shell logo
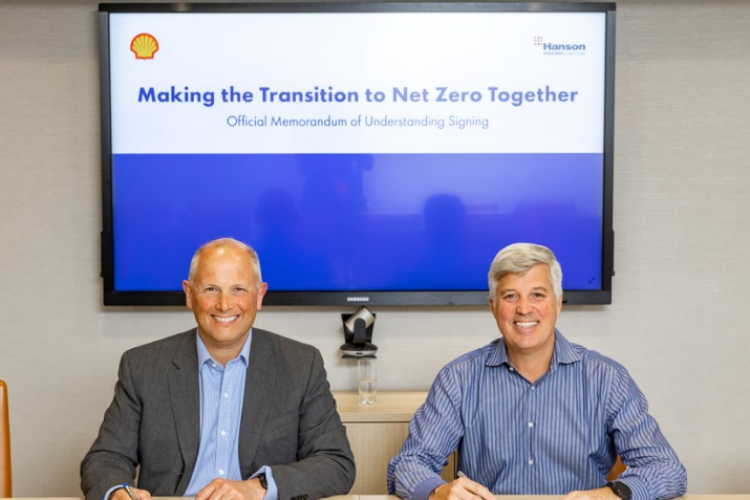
[144,46]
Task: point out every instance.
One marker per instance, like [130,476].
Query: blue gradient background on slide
[337,222]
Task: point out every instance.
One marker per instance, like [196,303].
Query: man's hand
[224,489]
[122,494]
[604,493]
[462,489]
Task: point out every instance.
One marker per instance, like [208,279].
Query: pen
[130,492]
[461,474]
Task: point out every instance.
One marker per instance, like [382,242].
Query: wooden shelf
[376,433]
[389,407]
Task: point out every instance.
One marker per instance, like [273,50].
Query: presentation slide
[356,151]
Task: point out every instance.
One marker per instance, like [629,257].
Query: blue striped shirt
[559,434]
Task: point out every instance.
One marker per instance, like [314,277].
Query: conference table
[391,497]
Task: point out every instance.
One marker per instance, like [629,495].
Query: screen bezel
[362,297]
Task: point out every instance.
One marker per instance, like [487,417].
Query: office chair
[616,470]
[6,482]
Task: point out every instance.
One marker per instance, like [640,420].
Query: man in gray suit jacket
[170,416]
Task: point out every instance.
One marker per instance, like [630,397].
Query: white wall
[679,318]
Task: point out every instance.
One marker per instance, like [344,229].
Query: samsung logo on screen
[358,299]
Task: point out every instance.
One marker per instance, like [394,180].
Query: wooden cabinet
[376,433]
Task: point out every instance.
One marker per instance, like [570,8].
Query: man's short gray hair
[518,258]
[221,242]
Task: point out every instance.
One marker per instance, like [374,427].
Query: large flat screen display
[372,153]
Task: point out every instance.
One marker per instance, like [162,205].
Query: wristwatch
[621,489]
[262,478]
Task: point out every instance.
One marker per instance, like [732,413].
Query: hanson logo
[559,47]
[358,299]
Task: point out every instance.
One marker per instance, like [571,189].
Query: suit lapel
[184,396]
[259,383]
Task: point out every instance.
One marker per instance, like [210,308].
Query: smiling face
[526,311]
[225,298]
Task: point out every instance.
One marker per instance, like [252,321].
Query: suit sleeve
[112,458]
[325,464]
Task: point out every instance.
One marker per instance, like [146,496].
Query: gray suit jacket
[289,421]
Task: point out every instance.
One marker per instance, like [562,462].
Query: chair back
[616,470]
[6,482]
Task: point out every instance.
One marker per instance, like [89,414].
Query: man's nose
[226,301]
[523,306]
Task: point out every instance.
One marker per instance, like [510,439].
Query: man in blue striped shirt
[531,413]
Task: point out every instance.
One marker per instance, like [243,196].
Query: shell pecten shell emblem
[144,46]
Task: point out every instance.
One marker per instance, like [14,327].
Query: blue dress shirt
[221,395]
[561,433]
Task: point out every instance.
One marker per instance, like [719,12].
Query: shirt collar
[204,356]
[562,354]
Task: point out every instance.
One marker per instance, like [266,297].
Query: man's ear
[261,293]
[188,294]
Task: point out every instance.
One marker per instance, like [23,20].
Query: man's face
[526,311]
[224,297]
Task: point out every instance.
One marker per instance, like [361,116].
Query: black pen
[130,492]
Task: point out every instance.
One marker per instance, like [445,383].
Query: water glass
[368,380]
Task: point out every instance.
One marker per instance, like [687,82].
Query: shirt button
[223,433]
[226,394]
[511,369]
[531,462]
[216,367]
[221,472]
[531,424]
[533,387]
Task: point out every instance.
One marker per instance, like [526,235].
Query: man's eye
[240,290]
[509,296]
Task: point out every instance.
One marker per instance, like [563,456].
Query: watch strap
[621,489]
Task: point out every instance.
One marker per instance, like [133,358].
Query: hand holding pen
[129,493]
[459,489]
